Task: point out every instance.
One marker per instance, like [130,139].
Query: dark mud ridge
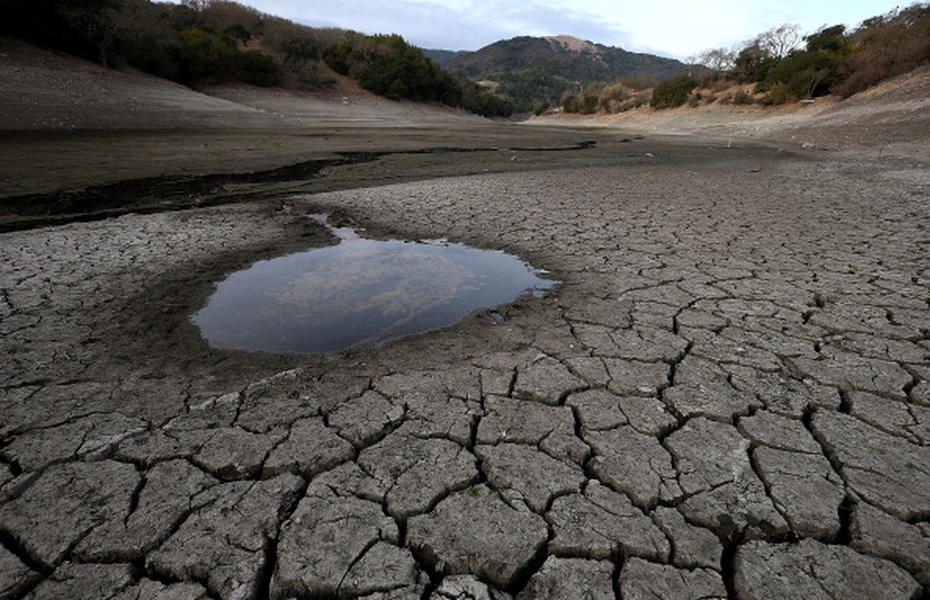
[174,192]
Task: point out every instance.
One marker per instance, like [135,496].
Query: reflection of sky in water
[359,291]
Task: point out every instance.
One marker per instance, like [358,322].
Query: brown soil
[893,118]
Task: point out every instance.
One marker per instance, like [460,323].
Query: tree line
[785,65]
[387,65]
[208,41]
[781,65]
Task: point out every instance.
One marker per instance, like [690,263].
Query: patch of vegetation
[742,98]
[885,46]
[532,70]
[673,92]
[815,70]
[482,102]
[788,66]
[388,66]
[83,27]
[778,94]
[570,103]
[440,56]
[208,41]
[623,96]
[206,56]
[589,104]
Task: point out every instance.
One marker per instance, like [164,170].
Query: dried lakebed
[725,399]
[360,291]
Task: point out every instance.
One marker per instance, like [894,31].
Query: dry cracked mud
[728,396]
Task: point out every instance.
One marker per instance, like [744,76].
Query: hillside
[209,42]
[892,118]
[441,56]
[46,90]
[534,69]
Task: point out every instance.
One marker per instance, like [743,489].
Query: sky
[676,28]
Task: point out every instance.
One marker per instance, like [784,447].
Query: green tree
[203,54]
[828,39]
[811,72]
[299,50]
[672,92]
[570,103]
[337,56]
[753,63]
[482,102]
[238,32]
[387,65]
[589,104]
[255,67]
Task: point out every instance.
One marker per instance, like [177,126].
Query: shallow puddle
[359,291]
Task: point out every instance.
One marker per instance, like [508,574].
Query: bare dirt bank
[892,118]
[50,91]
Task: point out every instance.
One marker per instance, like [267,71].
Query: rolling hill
[541,69]
[441,56]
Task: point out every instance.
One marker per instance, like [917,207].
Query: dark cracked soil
[728,397]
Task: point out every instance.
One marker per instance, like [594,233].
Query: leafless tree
[718,60]
[780,41]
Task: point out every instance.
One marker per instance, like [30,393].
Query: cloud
[452,25]
[678,28]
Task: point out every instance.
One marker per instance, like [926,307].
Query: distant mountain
[441,56]
[541,69]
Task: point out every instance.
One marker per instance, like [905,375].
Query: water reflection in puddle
[359,291]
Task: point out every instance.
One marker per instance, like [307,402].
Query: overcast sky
[678,28]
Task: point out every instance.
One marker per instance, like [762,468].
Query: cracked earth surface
[727,397]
